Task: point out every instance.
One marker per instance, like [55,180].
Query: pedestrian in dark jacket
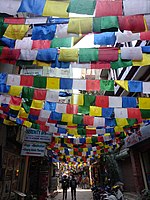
[73,185]
[65,186]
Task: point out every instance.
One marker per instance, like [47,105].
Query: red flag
[15,101]
[145,35]
[44,128]
[134,113]
[100,65]
[39,94]
[88,120]
[72,109]
[90,132]
[92,85]
[102,101]
[100,139]
[108,8]
[26,80]
[108,54]
[41,44]
[132,23]
[34,112]
[10,54]
[11,20]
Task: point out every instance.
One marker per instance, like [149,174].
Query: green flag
[89,100]
[27,93]
[84,109]
[77,119]
[145,113]
[39,82]
[88,55]
[61,42]
[120,63]
[82,6]
[109,23]
[107,85]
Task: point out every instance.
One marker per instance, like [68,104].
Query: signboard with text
[33,149]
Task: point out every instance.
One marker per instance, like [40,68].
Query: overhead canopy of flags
[44,33]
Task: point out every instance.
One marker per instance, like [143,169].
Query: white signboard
[37,136]
[33,149]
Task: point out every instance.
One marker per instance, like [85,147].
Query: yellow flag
[13,107]
[53,83]
[27,124]
[122,122]
[78,159]
[98,152]
[88,140]
[68,55]
[15,90]
[144,62]
[56,8]
[118,129]
[95,111]
[73,131]
[37,104]
[77,99]
[123,84]
[80,25]
[144,103]
[16,31]
[85,149]
[22,113]
[67,117]
[71,124]
[8,122]
[41,64]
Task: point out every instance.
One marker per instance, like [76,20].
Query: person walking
[65,186]
[73,185]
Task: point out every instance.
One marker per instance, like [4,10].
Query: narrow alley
[82,194]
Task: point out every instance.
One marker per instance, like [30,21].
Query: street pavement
[82,194]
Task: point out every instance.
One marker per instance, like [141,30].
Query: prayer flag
[98,121]
[146,87]
[25,43]
[131,23]
[61,42]
[89,100]
[47,55]
[16,31]
[31,6]
[82,7]
[127,36]
[79,84]
[80,25]
[123,84]
[39,82]
[88,120]
[28,54]
[129,102]
[26,80]
[145,113]
[108,8]
[84,109]
[108,54]
[53,83]
[52,96]
[145,35]
[56,8]
[95,111]
[66,83]
[15,90]
[131,53]
[135,86]
[37,104]
[134,113]
[144,62]
[120,112]
[50,106]
[107,85]
[41,44]
[78,119]
[92,85]
[120,63]
[3,78]
[77,99]
[115,102]
[72,109]
[107,38]
[43,32]
[68,55]
[67,118]
[88,55]
[27,93]
[100,65]
[102,101]
[13,79]
[144,103]
[61,107]
[39,94]
[8,42]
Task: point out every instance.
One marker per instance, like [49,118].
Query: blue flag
[50,106]
[66,83]
[47,55]
[129,102]
[56,116]
[135,86]
[8,42]
[32,6]
[107,112]
[45,32]
[3,78]
[107,38]
[146,49]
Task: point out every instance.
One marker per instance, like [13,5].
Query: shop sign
[37,136]
[33,149]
